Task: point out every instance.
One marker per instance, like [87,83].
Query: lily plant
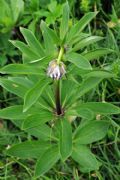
[55,75]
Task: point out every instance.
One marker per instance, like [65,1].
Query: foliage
[67,119]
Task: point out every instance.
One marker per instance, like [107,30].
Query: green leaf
[91,132]
[86,42]
[24,81]
[26,50]
[13,87]
[101,73]
[13,112]
[34,93]
[87,85]
[37,119]
[67,88]
[29,149]
[49,97]
[48,41]
[78,27]
[97,53]
[65,138]
[84,157]
[32,41]
[21,69]
[54,36]
[17,8]
[101,107]
[64,22]
[78,60]
[47,160]
[43,132]
[81,112]
[79,37]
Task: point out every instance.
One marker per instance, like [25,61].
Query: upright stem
[60,55]
[57,85]
[57,97]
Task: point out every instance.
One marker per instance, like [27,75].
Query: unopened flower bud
[56,71]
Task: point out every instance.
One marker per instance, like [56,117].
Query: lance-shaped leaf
[101,73]
[79,60]
[100,107]
[84,157]
[13,112]
[65,20]
[13,87]
[78,27]
[32,41]
[97,53]
[26,50]
[47,160]
[87,85]
[43,132]
[37,119]
[29,149]
[65,138]
[21,69]
[91,132]
[68,89]
[48,41]
[34,93]
[81,112]
[86,41]
[17,8]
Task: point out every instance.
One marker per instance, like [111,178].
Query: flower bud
[56,71]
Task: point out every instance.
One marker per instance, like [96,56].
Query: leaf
[101,107]
[17,8]
[13,112]
[87,85]
[15,88]
[49,97]
[47,160]
[86,42]
[67,88]
[78,27]
[79,37]
[48,41]
[78,60]
[54,36]
[97,53]
[26,50]
[21,69]
[43,132]
[84,157]
[38,119]
[34,93]
[64,22]
[92,132]
[23,81]
[101,73]
[32,41]
[81,112]
[65,138]
[29,149]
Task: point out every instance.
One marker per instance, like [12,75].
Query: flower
[55,70]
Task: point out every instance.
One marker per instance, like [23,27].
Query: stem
[57,97]
[57,85]
[60,55]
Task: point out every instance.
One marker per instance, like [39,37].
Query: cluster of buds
[55,70]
